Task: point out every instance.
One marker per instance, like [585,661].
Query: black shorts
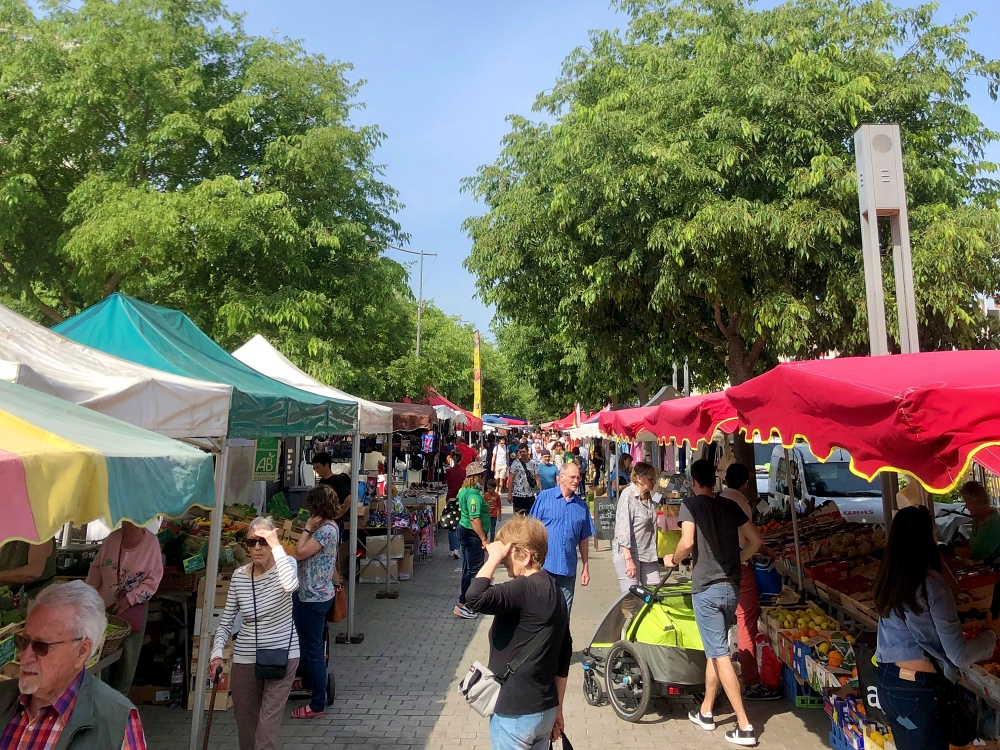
[522,505]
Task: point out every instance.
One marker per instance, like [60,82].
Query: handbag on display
[481,687]
[271,663]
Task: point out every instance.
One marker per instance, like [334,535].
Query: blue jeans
[454,543]
[310,621]
[566,584]
[528,732]
[912,708]
[493,528]
[715,613]
[473,557]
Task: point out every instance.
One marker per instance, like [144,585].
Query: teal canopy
[168,340]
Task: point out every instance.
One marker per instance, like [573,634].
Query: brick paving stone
[397,689]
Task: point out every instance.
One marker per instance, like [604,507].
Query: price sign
[6,651]
[265,463]
[197,562]
[605,510]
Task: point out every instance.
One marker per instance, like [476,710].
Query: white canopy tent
[171,405]
[444,413]
[265,359]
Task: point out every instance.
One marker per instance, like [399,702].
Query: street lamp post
[420,283]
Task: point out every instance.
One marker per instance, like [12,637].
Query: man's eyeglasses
[255,541]
[41,648]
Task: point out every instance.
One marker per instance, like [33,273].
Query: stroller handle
[643,593]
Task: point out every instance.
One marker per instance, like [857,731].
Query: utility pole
[882,193]
[420,283]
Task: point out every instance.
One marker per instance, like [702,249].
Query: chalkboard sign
[605,510]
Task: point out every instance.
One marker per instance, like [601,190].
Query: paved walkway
[397,688]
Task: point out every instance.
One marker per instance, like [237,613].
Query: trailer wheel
[628,681]
[593,693]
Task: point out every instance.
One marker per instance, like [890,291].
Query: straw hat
[476,467]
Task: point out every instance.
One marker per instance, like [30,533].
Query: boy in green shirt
[472,525]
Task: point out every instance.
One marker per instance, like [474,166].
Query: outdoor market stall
[260,407]
[472,422]
[925,415]
[61,463]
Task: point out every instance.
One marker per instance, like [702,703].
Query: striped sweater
[273,625]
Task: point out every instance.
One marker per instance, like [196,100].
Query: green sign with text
[265,463]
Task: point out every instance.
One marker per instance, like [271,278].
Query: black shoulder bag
[272,663]
[527,475]
[958,719]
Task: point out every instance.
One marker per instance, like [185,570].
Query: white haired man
[58,703]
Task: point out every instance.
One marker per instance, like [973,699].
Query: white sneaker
[705,722]
[465,614]
[745,737]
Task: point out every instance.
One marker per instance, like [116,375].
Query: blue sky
[442,76]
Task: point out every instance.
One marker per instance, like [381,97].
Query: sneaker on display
[761,693]
[744,737]
[705,722]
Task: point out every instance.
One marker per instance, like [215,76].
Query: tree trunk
[643,391]
[740,364]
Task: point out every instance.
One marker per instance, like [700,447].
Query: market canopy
[265,359]
[926,415]
[690,419]
[61,462]
[472,422]
[573,419]
[33,356]
[167,340]
[409,417]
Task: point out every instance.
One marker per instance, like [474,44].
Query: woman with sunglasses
[316,552]
[261,593]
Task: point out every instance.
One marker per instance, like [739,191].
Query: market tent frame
[263,357]
[168,340]
[169,404]
[60,462]
[926,415]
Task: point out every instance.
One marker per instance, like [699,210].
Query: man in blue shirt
[548,472]
[567,520]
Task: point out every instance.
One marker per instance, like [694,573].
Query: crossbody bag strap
[527,650]
[253,594]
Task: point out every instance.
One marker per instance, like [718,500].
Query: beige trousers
[259,705]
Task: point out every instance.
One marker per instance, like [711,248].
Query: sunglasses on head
[256,541]
[41,648]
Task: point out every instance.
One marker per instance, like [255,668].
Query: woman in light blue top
[919,623]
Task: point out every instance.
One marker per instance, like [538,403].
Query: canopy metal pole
[66,532]
[795,522]
[208,604]
[390,473]
[353,551]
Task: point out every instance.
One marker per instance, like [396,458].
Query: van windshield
[762,454]
[836,480]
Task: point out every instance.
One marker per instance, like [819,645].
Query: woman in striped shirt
[261,593]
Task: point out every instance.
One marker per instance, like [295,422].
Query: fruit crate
[798,692]
[839,740]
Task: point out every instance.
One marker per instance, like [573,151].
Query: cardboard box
[405,566]
[221,591]
[214,620]
[373,571]
[223,701]
[375,546]
[149,694]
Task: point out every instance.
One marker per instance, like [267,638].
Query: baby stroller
[648,645]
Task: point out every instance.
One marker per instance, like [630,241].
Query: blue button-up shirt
[568,523]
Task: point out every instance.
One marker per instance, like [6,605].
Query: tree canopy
[153,147]
[692,192]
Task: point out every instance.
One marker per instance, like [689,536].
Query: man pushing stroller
[710,533]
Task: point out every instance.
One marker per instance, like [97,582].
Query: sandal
[306,713]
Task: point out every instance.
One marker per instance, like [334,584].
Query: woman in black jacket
[530,622]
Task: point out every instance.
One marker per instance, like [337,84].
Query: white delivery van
[815,482]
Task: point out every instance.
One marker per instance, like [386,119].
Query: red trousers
[747,614]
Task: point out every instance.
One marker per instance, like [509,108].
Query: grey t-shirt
[716,553]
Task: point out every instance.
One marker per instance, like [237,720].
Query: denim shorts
[715,613]
[528,732]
